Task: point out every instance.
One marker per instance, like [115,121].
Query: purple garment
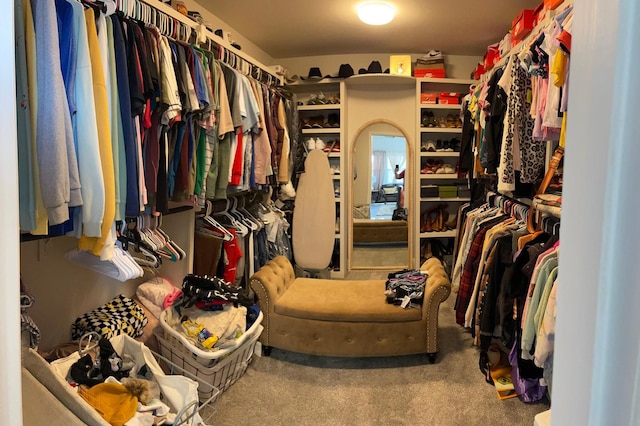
[529,390]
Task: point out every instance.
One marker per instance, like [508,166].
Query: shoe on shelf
[447,146]
[320,144]
[441,122]
[313,99]
[310,144]
[458,122]
[451,121]
[430,167]
[454,144]
[439,145]
[430,146]
[333,120]
[445,169]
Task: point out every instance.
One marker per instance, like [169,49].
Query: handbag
[532,225]
[121,315]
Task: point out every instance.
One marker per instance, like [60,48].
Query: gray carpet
[371,255]
[294,389]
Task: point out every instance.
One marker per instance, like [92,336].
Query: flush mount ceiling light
[376,12]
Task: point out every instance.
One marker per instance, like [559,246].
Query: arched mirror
[379,231]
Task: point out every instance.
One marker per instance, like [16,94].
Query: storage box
[428,98]
[400,65]
[449,98]
[539,14]
[221,368]
[464,191]
[448,191]
[492,56]
[429,63]
[552,4]
[523,24]
[429,73]
[429,191]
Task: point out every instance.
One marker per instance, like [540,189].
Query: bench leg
[432,357]
[266,350]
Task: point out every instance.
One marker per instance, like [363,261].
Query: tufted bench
[348,318]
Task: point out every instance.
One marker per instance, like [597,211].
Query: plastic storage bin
[220,368]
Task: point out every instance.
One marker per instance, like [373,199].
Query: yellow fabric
[42,222]
[348,301]
[559,68]
[104,139]
[112,401]
[563,130]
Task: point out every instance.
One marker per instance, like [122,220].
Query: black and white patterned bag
[121,315]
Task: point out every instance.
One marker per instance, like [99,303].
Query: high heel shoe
[444,216]
[452,224]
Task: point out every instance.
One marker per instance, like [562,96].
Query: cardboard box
[428,98]
[539,14]
[523,24]
[423,63]
[429,191]
[400,65]
[449,98]
[447,191]
[429,73]
[552,4]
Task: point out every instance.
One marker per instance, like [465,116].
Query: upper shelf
[439,106]
[446,80]
[441,129]
[379,79]
[318,107]
[323,130]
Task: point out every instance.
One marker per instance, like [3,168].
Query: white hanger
[226,235]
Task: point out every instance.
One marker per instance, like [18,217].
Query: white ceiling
[294,28]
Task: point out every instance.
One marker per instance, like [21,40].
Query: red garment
[238,161]
[231,257]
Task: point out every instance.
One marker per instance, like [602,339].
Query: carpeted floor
[368,255]
[293,389]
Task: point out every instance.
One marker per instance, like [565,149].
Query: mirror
[378,238]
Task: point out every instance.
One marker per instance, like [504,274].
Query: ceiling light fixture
[376,12]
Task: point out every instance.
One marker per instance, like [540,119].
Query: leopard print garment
[519,120]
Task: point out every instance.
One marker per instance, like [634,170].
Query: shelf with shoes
[320,114]
[440,189]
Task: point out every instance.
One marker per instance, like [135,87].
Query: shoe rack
[322,124]
[439,187]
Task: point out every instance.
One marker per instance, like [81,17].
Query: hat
[374,68]
[345,71]
[314,74]
[113,401]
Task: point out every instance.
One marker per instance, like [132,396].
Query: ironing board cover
[314,216]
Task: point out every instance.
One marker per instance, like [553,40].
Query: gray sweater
[57,162]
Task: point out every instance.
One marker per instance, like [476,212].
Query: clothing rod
[203,32]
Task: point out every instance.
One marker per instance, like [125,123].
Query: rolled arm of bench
[437,290]
[271,281]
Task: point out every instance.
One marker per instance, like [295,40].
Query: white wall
[247,46]
[10,382]
[63,291]
[456,66]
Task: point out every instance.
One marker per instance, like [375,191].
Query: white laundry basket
[221,368]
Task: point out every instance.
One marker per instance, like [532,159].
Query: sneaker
[310,144]
[320,144]
[288,190]
[335,170]
[430,146]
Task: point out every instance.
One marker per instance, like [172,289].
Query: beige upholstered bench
[345,318]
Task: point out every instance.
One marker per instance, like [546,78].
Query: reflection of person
[400,175]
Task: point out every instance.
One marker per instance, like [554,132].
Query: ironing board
[314,216]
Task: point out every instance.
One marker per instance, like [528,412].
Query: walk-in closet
[223,213]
